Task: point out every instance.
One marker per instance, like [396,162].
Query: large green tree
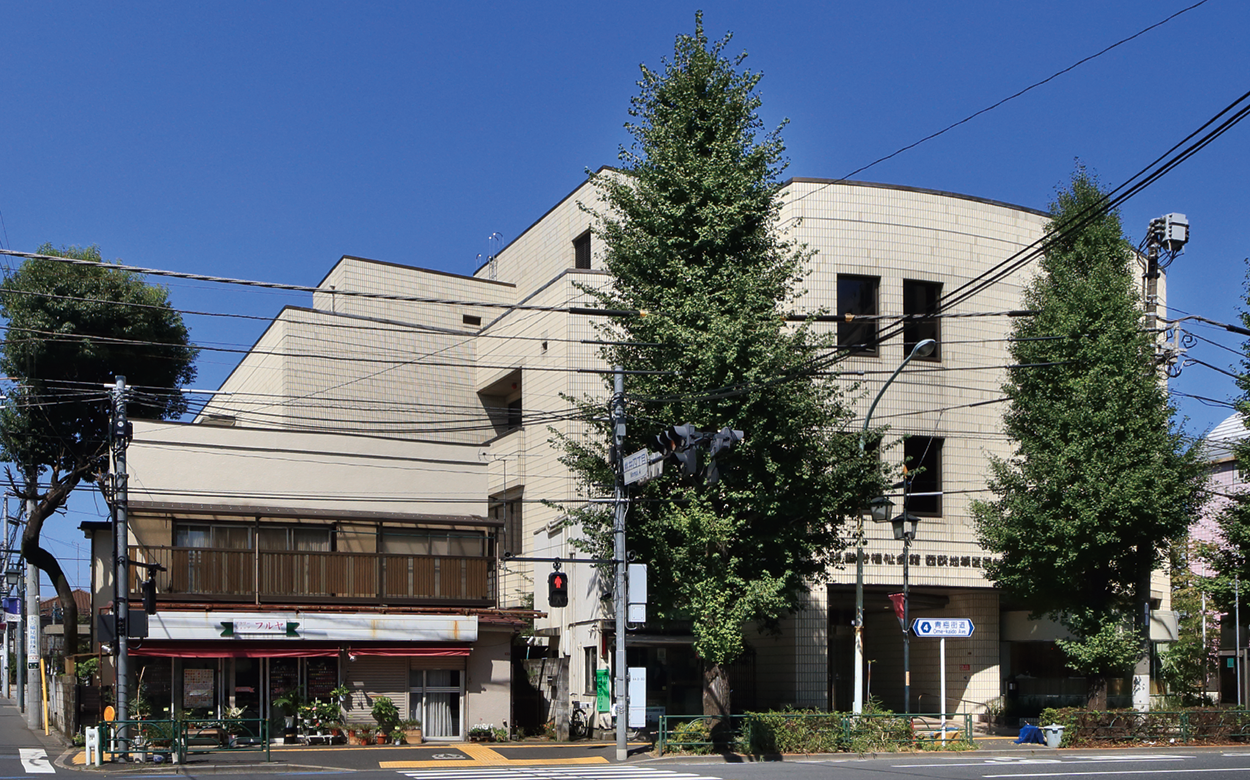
[1228,557]
[72,329]
[689,234]
[1099,483]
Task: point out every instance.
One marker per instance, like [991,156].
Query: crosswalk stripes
[609,772]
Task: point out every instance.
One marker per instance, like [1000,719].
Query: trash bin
[1054,735]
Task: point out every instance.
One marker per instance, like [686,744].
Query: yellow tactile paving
[480,755]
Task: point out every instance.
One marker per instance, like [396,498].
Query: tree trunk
[1096,693]
[716,708]
[715,691]
[40,510]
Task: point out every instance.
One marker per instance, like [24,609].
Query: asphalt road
[23,752]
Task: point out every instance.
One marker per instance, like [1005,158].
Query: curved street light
[922,349]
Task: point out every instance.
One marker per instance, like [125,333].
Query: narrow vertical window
[857,297]
[581,251]
[923,456]
[920,304]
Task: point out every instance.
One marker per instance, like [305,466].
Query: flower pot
[413,736]
[381,738]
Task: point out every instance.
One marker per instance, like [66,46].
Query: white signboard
[636,607]
[943,627]
[636,467]
[637,697]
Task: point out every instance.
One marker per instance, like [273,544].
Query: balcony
[286,577]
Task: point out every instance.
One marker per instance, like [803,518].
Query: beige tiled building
[488,362]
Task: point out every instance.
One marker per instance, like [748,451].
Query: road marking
[1124,772]
[1013,761]
[610,772]
[35,761]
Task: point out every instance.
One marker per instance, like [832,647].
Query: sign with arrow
[941,628]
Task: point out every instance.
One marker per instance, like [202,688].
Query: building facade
[300,562]
[490,361]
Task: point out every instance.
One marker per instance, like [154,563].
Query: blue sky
[265,140]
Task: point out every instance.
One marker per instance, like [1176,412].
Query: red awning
[395,651]
[242,649]
[231,650]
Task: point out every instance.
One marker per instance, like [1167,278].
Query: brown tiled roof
[81,598]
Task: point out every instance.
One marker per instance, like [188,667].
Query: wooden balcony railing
[261,576]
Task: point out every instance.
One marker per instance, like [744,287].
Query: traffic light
[558,589]
[680,440]
[149,595]
[721,441]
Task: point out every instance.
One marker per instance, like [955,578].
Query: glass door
[436,697]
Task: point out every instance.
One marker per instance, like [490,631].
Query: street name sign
[636,467]
[941,628]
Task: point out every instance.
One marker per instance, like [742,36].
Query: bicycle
[579,726]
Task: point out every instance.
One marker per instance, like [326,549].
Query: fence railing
[172,740]
[812,732]
[282,575]
[1181,726]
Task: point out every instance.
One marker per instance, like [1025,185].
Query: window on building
[857,296]
[923,456]
[514,413]
[508,512]
[421,541]
[213,537]
[581,251]
[302,539]
[921,299]
[591,655]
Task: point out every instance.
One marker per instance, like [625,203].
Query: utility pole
[120,436]
[34,685]
[1166,237]
[4,539]
[618,532]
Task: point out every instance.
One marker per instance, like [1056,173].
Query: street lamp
[904,525]
[922,349]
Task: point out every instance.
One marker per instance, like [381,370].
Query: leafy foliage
[1187,663]
[1228,557]
[1099,483]
[688,235]
[72,329]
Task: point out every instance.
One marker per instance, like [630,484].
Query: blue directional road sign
[943,627]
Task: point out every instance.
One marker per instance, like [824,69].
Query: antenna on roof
[494,242]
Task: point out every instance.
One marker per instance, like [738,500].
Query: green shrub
[693,736]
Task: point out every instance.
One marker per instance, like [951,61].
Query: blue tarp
[1030,734]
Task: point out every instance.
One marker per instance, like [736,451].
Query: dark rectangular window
[921,299]
[471,319]
[581,251]
[923,456]
[857,297]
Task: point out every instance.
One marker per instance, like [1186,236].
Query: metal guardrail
[1182,726]
[812,731]
[174,739]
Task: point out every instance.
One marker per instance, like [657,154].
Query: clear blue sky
[265,140]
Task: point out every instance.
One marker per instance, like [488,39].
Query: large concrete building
[488,362]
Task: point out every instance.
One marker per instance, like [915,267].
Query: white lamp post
[922,349]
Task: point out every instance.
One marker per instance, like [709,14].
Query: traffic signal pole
[121,552]
[618,532]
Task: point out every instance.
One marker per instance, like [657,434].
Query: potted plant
[231,726]
[289,703]
[340,694]
[482,732]
[412,731]
[397,736]
[385,713]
